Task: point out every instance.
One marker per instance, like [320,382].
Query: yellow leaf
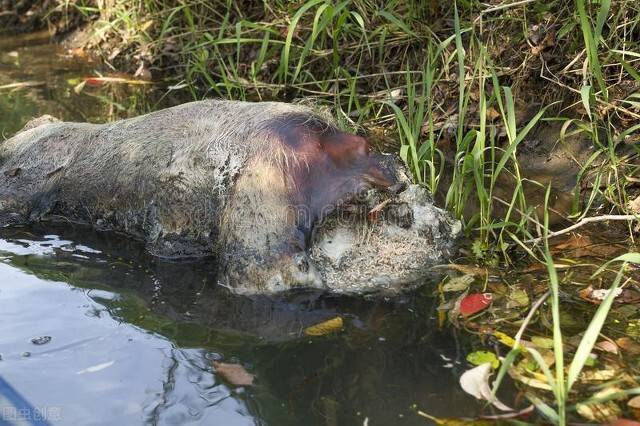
[146,26]
[504,338]
[507,340]
[330,326]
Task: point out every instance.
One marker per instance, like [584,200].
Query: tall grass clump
[564,376]
[455,89]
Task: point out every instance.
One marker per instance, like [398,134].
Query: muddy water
[129,339]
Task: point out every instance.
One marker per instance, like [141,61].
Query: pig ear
[341,147]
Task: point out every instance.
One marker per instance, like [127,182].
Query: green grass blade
[628,257]
[591,334]
[284,64]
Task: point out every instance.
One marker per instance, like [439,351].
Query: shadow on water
[133,337]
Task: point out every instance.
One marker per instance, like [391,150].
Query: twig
[506,6]
[22,84]
[527,320]
[585,221]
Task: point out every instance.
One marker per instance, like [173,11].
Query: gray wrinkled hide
[198,179]
[389,254]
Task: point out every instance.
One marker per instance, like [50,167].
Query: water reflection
[133,339]
[38,78]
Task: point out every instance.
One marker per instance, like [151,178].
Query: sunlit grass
[445,82]
[423,73]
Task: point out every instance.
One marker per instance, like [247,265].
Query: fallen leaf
[483,357]
[327,327]
[634,406]
[475,382]
[458,283]
[599,375]
[506,340]
[464,269]
[518,298]
[534,382]
[607,346]
[596,296]
[583,246]
[628,345]
[395,95]
[601,412]
[235,374]
[474,303]
[542,342]
[601,294]
[492,114]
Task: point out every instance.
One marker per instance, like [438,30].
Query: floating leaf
[327,327]
[542,342]
[596,296]
[507,340]
[474,303]
[583,246]
[458,283]
[518,298]
[464,269]
[476,382]
[235,374]
[483,357]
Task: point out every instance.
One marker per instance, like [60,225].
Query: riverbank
[487,107]
[471,82]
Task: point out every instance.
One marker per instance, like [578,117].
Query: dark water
[133,337]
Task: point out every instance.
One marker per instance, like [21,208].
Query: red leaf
[474,303]
[93,81]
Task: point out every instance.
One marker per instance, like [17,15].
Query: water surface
[132,338]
